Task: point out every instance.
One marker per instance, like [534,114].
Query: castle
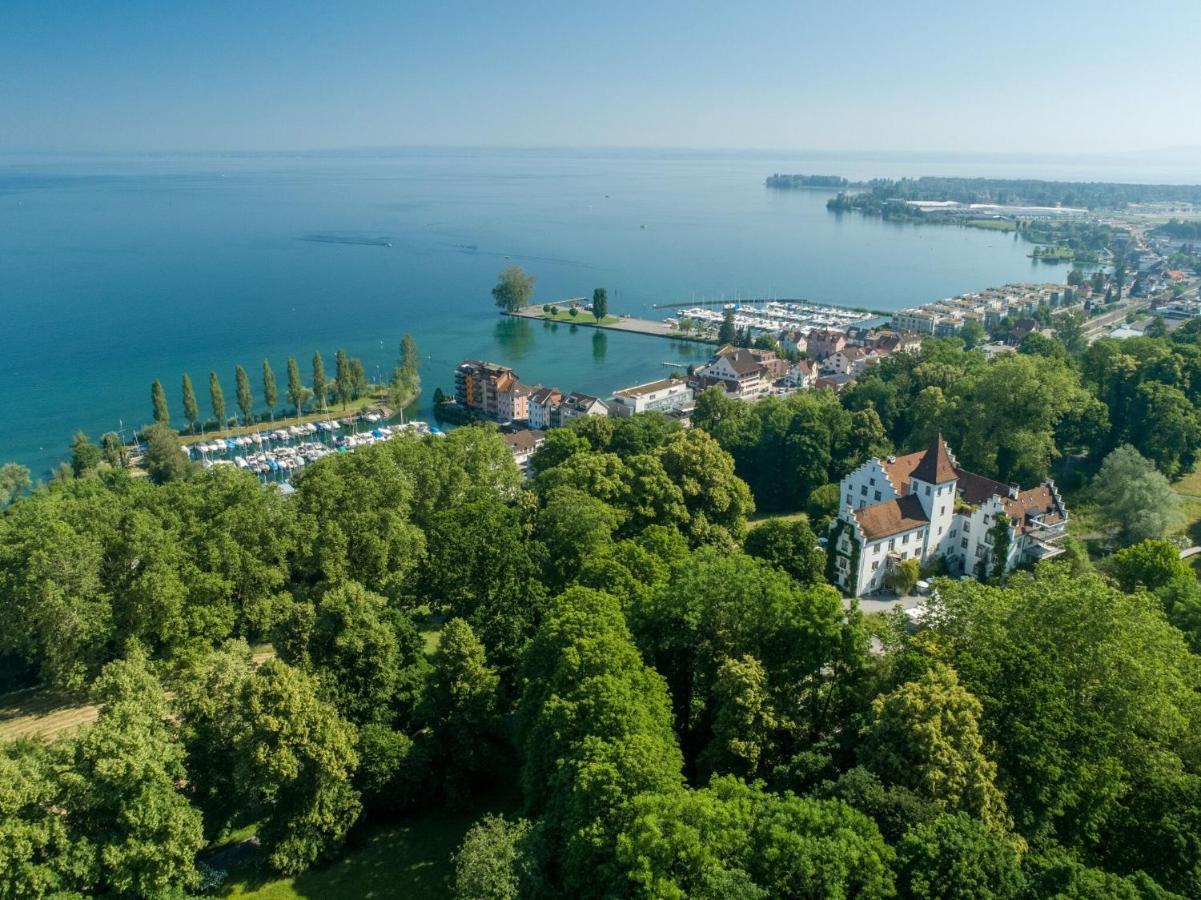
[923,506]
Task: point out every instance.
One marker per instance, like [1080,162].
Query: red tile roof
[936,466]
[881,520]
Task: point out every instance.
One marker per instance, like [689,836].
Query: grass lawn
[581,318]
[992,224]
[757,519]
[1189,484]
[43,712]
[410,858]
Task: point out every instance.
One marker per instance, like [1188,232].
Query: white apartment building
[655,396]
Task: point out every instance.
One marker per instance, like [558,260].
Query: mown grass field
[581,318]
[39,712]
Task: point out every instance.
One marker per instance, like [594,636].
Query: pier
[619,323]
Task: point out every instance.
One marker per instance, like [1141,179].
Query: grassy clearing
[1190,484]
[757,519]
[411,858]
[581,318]
[431,636]
[44,713]
[992,224]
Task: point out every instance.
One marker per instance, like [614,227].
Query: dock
[630,324]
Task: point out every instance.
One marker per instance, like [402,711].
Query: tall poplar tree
[296,388]
[270,392]
[191,409]
[159,397]
[406,378]
[217,398]
[343,379]
[600,303]
[320,385]
[245,397]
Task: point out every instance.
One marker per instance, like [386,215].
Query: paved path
[1189,551]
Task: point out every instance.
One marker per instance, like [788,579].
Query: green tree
[270,391]
[462,709]
[1172,443]
[217,399]
[1148,565]
[902,577]
[14,481]
[159,398]
[595,726]
[972,333]
[717,500]
[297,392]
[124,795]
[789,545]
[343,379]
[495,861]
[39,856]
[560,444]
[165,460]
[1087,693]
[1134,497]
[296,756]
[191,409]
[405,386]
[113,450]
[366,657]
[1069,328]
[320,384]
[244,396]
[957,856]
[573,525]
[1075,277]
[514,290]
[85,456]
[728,332]
[600,303]
[737,840]
[925,736]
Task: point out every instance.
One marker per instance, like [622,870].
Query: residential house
[849,361]
[655,396]
[542,406]
[576,405]
[821,342]
[512,399]
[924,506]
[523,443]
[792,341]
[802,375]
[738,371]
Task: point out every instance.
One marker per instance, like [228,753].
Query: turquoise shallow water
[116,271]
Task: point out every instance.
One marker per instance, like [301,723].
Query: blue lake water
[117,271]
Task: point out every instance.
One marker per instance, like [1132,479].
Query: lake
[115,271]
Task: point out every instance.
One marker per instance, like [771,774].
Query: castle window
[927,490]
[877,496]
[863,490]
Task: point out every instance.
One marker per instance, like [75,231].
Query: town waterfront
[116,271]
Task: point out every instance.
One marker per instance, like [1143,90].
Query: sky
[1057,76]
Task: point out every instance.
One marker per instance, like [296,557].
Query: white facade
[657,396]
[924,506]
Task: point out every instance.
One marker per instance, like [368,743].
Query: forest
[640,642]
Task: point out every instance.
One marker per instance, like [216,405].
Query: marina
[274,455]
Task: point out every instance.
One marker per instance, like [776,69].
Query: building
[512,399]
[542,406]
[477,385]
[924,506]
[802,375]
[523,443]
[793,341]
[822,342]
[849,361]
[575,406]
[655,396]
[740,372]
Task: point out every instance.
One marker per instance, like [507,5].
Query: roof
[880,520]
[899,468]
[936,466]
[641,390]
[976,489]
[741,361]
[525,440]
[1037,501]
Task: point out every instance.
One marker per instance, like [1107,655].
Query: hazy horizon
[862,78]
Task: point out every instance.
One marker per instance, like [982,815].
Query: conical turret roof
[936,466]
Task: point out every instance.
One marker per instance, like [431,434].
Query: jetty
[610,323]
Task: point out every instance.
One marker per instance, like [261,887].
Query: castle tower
[933,482]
